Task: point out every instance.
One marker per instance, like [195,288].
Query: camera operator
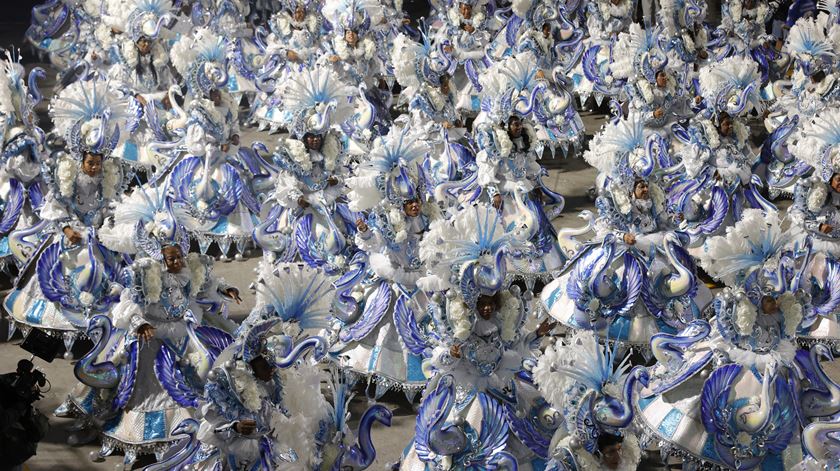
[21,425]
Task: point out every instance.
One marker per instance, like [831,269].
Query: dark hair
[526,139]
[25,365]
[607,439]
[152,69]
[818,76]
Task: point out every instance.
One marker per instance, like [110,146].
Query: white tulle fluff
[7,89]
[741,250]
[198,273]
[614,142]
[792,311]
[521,7]
[816,136]
[363,194]
[736,71]
[182,54]
[404,54]
[629,45]
[816,197]
[307,408]
[89,101]
[580,349]
[513,73]
[807,38]
[745,315]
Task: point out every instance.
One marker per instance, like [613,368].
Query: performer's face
[351,37]
[466,10]
[486,306]
[514,128]
[546,30]
[769,305]
[835,182]
[611,456]
[313,142]
[215,96]
[661,79]
[641,190]
[173,258]
[263,370]
[300,13]
[92,165]
[412,208]
[144,46]
[725,127]
[444,85]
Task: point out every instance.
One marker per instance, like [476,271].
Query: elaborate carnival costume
[310,221]
[23,144]
[728,393]
[507,173]
[635,279]
[815,201]
[145,376]
[592,393]
[471,414]
[379,295]
[718,180]
[814,87]
[70,275]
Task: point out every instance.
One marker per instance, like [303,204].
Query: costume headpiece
[416,63]
[819,143]
[732,85]
[201,60]
[392,173]
[18,129]
[315,98]
[264,340]
[637,52]
[93,117]
[808,44]
[146,17]
[296,293]
[353,15]
[624,151]
[510,86]
[469,253]
[145,222]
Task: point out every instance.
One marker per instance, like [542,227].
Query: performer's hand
[455,351]
[361,225]
[146,332]
[545,327]
[497,201]
[245,427]
[629,239]
[233,293]
[302,202]
[334,59]
[658,113]
[826,228]
[292,56]
[72,235]
[332,181]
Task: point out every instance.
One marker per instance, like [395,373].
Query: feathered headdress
[623,151]
[637,52]
[675,15]
[819,143]
[18,127]
[93,117]
[416,63]
[751,253]
[469,253]
[201,60]
[510,86]
[144,222]
[570,372]
[732,85]
[391,174]
[315,98]
[140,18]
[298,294]
[265,339]
[808,44]
[352,15]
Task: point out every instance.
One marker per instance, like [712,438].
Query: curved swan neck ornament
[823,400]
[97,375]
[820,441]
[187,428]
[669,347]
[318,344]
[618,412]
[683,280]
[361,455]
